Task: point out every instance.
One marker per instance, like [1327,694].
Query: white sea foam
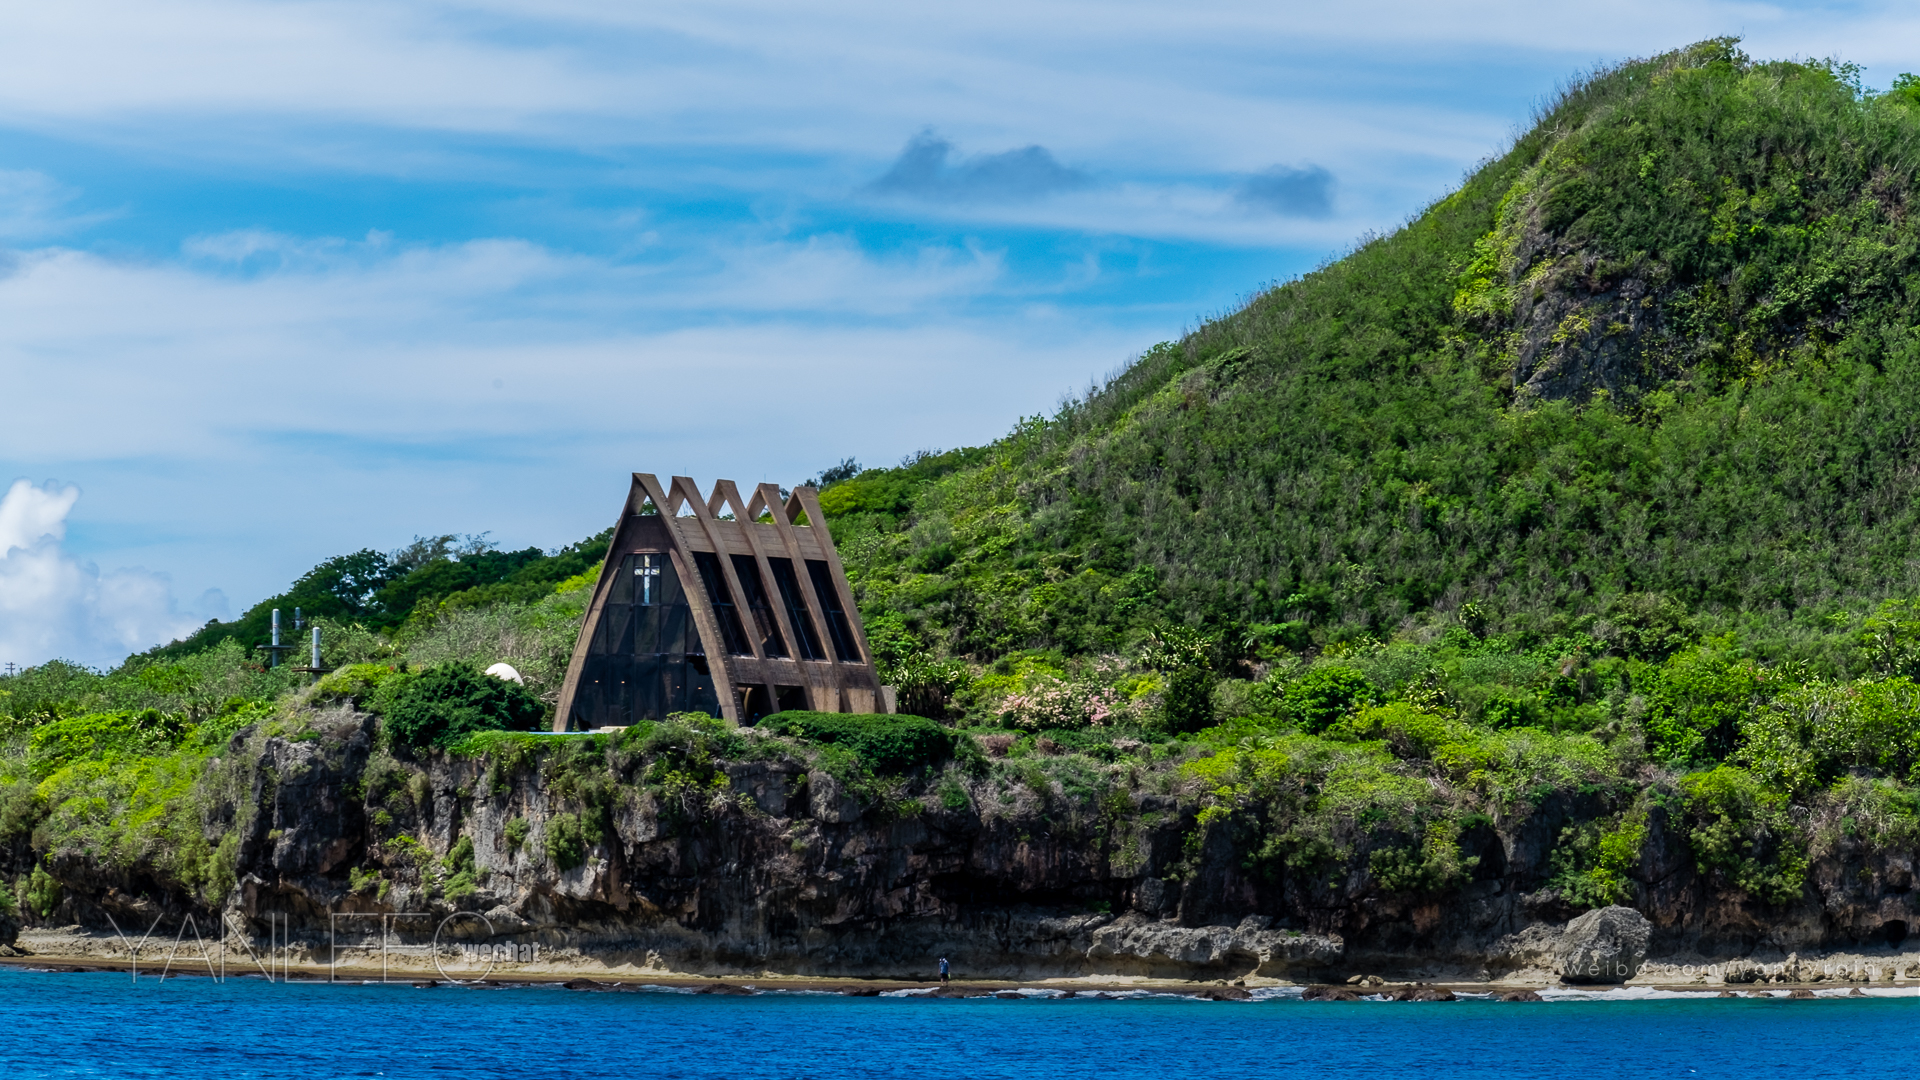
[1132,995]
[1618,993]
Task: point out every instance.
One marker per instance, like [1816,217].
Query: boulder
[1519,995]
[1422,992]
[1800,992]
[727,989]
[1329,993]
[1604,946]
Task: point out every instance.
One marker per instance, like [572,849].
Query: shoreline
[856,986]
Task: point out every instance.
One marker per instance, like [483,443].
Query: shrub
[355,682]
[1809,736]
[96,735]
[566,840]
[1185,656]
[236,714]
[460,889]
[886,744]
[447,703]
[43,892]
[1698,698]
[1740,828]
[1590,863]
[953,796]
[1410,732]
[1510,710]
[1237,698]
[1076,703]
[1325,694]
[1431,865]
[926,685]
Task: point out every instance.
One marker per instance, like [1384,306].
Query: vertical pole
[275,661]
[296,620]
[316,652]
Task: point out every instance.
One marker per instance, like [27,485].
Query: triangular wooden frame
[688,522]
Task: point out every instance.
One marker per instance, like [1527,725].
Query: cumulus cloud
[52,605]
[30,514]
[924,171]
[1305,192]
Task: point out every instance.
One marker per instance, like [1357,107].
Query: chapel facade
[735,608]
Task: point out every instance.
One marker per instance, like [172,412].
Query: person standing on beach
[945,971]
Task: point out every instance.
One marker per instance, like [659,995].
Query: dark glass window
[764,622]
[644,659]
[796,604]
[721,599]
[837,624]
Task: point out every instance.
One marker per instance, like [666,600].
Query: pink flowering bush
[1068,703]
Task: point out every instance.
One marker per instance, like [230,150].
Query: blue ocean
[104,1024]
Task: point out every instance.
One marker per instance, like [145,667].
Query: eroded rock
[1248,945]
[1604,946]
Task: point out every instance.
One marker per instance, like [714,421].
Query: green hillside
[1659,356]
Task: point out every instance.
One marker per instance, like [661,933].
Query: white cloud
[30,514]
[54,606]
[1147,94]
[349,394]
[33,206]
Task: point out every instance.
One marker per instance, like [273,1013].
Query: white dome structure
[505,671]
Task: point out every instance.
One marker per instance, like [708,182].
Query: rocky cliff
[661,854]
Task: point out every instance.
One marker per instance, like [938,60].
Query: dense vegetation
[1606,463]
[1596,479]
[432,575]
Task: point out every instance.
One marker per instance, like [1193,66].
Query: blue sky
[280,280]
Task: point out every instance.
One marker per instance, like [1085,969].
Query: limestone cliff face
[763,866]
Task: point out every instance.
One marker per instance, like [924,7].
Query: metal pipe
[316,649]
[275,662]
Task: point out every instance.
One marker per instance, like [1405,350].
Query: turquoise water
[100,1024]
